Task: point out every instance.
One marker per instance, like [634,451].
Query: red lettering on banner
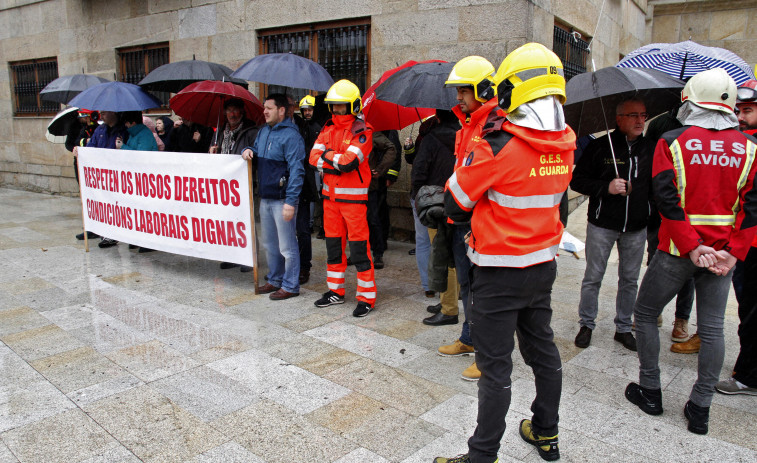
[235,193]
[242,236]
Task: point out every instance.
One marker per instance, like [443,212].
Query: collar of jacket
[287,122]
[477,116]
[343,121]
[137,128]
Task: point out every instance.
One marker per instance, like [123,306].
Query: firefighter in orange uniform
[341,154]
[510,187]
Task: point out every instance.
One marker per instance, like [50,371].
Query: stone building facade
[87,35]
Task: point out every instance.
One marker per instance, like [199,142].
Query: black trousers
[378,243]
[745,370]
[303,235]
[505,302]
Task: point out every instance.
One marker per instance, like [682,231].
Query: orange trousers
[343,223]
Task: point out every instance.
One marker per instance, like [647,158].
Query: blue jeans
[462,267]
[422,248]
[280,243]
[664,278]
[599,244]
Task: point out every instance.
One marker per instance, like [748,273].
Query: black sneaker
[133,246]
[583,338]
[329,298]
[699,417]
[107,243]
[90,236]
[434,308]
[378,263]
[546,445]
[228,265]
[362,309]
[627,339]
[144,250]
[648,400]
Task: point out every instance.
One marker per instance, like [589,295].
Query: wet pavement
[116,356]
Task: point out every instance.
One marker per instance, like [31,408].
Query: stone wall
[84,34]
[717,23]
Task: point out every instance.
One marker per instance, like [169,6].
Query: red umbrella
[383,115]
[202,102]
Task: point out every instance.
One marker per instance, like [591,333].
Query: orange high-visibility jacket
[512,182]
[704,187]
[341,153]
[472,126]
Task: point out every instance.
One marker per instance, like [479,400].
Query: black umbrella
[62,89]
[287,70]
[593,96]
[419,86]
[64,123]
[173,77]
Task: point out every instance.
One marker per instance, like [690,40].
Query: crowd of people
[488,185]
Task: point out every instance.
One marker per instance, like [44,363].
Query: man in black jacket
[309,130]
[434,163]
[618,193]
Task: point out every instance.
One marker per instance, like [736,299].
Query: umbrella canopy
[62,124]
[173,77]
[115,96]
[62,89]
[420,86]
[384,115]
[285,69]
[593,96]
[202,102]
[685,59]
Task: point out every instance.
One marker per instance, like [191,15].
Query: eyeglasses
[643,116]
[746,94]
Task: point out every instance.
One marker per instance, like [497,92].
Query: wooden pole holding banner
[81,198]
[252,231]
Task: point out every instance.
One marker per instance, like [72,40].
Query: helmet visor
[746,95]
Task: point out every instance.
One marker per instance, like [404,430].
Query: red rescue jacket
[512,182]
[704,187]
[341,153]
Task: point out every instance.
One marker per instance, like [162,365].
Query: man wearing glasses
[618,187]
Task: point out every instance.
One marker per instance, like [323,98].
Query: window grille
[28,78]
[134,63]
[342,48]
[572,49]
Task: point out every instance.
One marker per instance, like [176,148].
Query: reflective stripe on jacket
[341,152]
[704,189]
[510,186]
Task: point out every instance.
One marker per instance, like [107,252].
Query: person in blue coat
[140,136]
[280,152]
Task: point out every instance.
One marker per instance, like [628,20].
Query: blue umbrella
[115,96]
[685,59]
[287,70]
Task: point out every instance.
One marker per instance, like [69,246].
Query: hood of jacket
[138,129]
[543,141]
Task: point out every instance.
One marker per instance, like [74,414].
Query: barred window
[134,63]
[572,48]
[27,79]
[342,48]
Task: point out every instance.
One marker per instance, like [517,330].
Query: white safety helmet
[712,89]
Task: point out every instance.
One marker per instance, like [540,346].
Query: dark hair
[131,116]
[446,116]
[235,102]
[279,99]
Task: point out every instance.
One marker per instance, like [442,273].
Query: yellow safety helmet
[307,102]
[530,72]
[476,72]
[345,92]
[711,89]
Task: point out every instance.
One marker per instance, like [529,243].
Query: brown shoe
[281,294]
[689,347]
[680,330]
[267,288]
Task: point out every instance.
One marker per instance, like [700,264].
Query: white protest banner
[194,204]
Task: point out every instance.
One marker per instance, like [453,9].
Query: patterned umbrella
[685,59]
